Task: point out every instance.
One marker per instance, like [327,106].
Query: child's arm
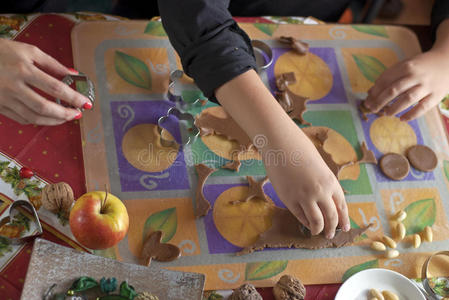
[299,175]
[218,55]
[422,80]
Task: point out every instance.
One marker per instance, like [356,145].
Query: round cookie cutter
[88,90]
[431,294]
[263,54]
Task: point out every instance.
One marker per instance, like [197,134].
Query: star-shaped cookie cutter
[174,94]
[89,92]
[181,116]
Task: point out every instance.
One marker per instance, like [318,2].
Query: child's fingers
[314,217]
[388,93]
[298,212]
[342,211]
[330,217]
[407,99]
[421,108]
[387,77]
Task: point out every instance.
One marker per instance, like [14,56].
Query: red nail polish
[87,105]
[73,71]
[78,116]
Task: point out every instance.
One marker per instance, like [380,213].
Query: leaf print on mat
[373,30]
[132,70]
[266,28]
[357,268]
[420,214]
[165,221]
[370,66]
[264,270]
[446,168]
[155,28]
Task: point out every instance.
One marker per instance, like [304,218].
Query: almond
[375,294]
[389,295]
[416,240]
[400,231]
[399,216]
[392,253]
[378,246]
[389,241]
[427,234]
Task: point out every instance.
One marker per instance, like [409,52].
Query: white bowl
[357,287]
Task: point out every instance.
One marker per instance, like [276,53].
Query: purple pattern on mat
[414,174]
[146,112]
[216,242]
[336,94]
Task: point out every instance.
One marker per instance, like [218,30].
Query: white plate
[357,286]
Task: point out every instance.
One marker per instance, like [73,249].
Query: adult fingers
[56,88]
[13,115]
[32,117]
[389,93]
[46,108]
[421,108]
[48,63]
[330,217]
[314,217]
[407,99]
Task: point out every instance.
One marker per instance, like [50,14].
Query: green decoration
[420,214]
[155,28]
[165,221]
[108,285]
[132,70]
[264,270]
[267,28]
[127,290]
[446,168]
[83,283]
[373,30]
[357,268]
[214,296]
[4,246]
[370,66]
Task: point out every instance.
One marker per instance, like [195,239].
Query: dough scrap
[233,165]
[298,46]
[202,205]
[284,233]
[153,249]
[255,190]
[209,124]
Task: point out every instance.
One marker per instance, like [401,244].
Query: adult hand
[24,67]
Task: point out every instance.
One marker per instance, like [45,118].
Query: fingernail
[346,228]
[78,116]
[330,235]
[72,70]
[87,105]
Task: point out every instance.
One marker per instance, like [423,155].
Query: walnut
[289,288]
[57,198]
[245,292]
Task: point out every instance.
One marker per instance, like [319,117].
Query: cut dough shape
[202,205]
[255,190]
[285,233]
[367,155]
[217,121]
[153,249]
[233,165]
[298,46]
[422,158]
[298,107]
[395,166]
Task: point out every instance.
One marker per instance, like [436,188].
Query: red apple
[99,223]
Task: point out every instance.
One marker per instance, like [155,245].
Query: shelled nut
[399,216]
[427,234]
[388,295]
[400,231]
[375,294]
[378,246]
[416,240]
[389,241]
[392,253]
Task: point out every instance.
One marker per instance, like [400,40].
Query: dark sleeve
[440,12]
[212,48]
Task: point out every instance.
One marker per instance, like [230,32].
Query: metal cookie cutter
[13,211]
[263,54]
[430,292]
[174,93]
[83,85]
[193,130]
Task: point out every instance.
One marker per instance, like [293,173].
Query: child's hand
[305,184]
[422,80]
